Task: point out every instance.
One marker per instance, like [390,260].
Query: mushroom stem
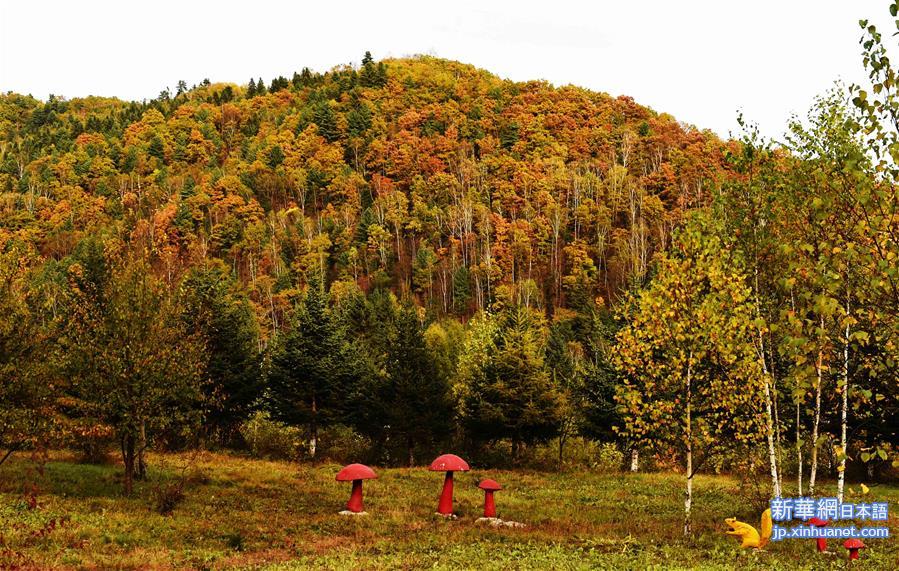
[820,542]
[355,503]
[489,504]
[445,507]
[853,553]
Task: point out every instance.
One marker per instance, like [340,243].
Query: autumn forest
[396,258]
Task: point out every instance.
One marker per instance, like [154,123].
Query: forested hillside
[435,179]
[407,253]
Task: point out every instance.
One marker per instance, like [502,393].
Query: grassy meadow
[239,513]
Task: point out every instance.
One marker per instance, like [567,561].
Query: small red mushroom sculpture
[355,473]
[448,463]
[820,541]
[489,486]
[853,545]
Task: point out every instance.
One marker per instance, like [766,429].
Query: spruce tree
[414,398]
[225,321]
[312,368]
[509,393]
[306,77]
[326,121]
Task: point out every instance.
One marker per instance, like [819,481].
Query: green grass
[241,513]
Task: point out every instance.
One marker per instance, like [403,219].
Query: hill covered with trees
[431,178]
[422,253]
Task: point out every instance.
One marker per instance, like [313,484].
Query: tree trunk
[410,450]
[561,450]
[141,473]
[313,429]
[9,453]
[128,459]
[635,459]
[798,453]
[770,428]
[688,497]
[844,409]
[772,450]
[816,424]
[778,440]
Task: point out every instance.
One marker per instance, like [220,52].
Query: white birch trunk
[688,497]
[844,409]
[816,424]
[772,450]
[769,405]
[798,453]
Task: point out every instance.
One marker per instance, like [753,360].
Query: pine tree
[578,355]
[226,323]
[306,77]
[278,84]
[414,397]
[510,394]
[371,74]
[312,369]
[326,121]
[156,148]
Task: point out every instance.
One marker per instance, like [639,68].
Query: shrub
[267,438]
[92,441]
[580,453]
[167,495]
[234,540]
[343,444]
[608,457]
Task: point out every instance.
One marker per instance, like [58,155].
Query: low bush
[167,495]
[578,453]
[92,441]
[267,438]
[342,444]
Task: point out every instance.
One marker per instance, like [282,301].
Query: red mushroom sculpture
[820,541]
[448,463]
[853,545]
[355,473]
[489,487]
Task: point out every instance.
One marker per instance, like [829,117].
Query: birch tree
[749,208]
[692,378]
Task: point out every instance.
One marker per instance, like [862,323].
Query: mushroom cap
[355,472]
[818,522]
[489,485]
[853,544]
[449,463]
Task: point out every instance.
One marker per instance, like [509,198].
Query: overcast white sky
[699,60]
